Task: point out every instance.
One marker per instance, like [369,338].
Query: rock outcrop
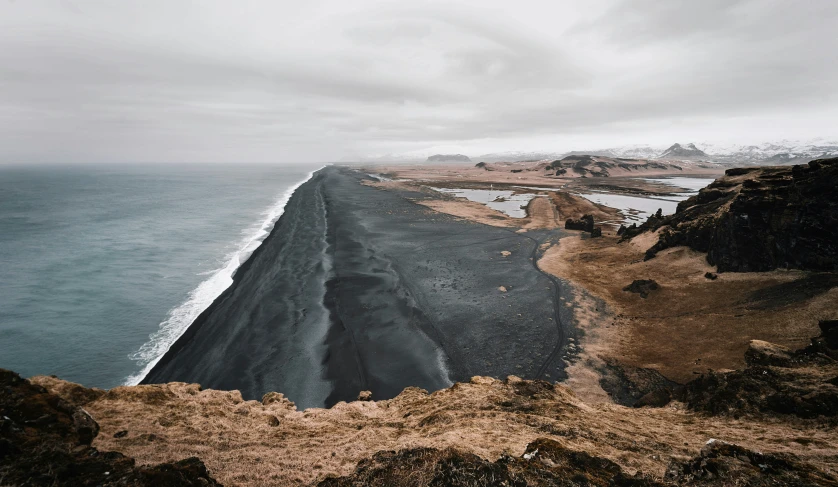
[547,463]
[758,219]
[586,224]
[776,380]
[643,287]
[45,440]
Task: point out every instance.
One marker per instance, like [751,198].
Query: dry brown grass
[691,323]
[248,443]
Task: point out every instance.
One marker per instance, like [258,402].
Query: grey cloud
[134,81]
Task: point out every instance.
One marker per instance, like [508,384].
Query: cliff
[484,432]
[759,219]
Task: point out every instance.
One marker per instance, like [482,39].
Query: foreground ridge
[483,432]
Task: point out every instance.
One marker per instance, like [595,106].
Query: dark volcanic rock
[45,440]
[448,158]
[776,380]
[545,463]
[586,223]
[596,232]
[723,464]
[635,386]
[759,219]
[711,275]
[643,287]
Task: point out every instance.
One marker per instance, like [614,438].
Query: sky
[278,81]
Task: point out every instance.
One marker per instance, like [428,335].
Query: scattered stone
[505,253]
[502,289]
[596,232]
[365,396]
[710,275]
[121,434]
[643,287]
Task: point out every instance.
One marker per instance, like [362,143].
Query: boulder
[643,287]
[655,399]
[586,223]
[765,353]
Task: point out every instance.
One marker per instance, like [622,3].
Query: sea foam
[180,318]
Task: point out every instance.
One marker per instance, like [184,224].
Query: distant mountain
[772,153]
[678,151]
[448,158]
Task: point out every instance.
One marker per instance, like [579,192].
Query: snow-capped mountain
[769,153]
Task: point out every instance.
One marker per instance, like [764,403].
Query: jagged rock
[628,385]
[586,223]
[365,396]
[544,463]
[45,440]
[776,380]
[596,232]
[643,287]
[621,230]
[722,464]
[759,219]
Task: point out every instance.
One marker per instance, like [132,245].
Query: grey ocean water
[101,267]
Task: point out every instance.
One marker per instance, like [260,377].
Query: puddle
[638,208]
[503,201]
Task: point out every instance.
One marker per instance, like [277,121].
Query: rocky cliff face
[759,219]
[45,440]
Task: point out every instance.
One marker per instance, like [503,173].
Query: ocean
[102,267]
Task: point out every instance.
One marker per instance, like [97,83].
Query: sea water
[102,267]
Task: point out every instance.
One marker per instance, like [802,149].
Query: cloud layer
[269,81]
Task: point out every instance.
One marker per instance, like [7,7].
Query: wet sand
[359,288]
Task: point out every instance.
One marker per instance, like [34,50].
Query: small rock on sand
[502,289]
[505,253]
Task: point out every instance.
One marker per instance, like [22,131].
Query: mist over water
[104,266]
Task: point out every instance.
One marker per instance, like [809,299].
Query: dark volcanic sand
[359,288]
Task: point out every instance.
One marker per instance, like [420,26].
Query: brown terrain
[727,383]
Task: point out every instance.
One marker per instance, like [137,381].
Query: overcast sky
[276,81]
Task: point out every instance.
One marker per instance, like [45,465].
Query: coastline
[400,312]
[161,341]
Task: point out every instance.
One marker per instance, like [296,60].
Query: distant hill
[448,158]
[678,151]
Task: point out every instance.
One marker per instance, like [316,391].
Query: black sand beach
[359,288]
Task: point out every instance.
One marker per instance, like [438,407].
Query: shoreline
[267,227]
[400,312]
